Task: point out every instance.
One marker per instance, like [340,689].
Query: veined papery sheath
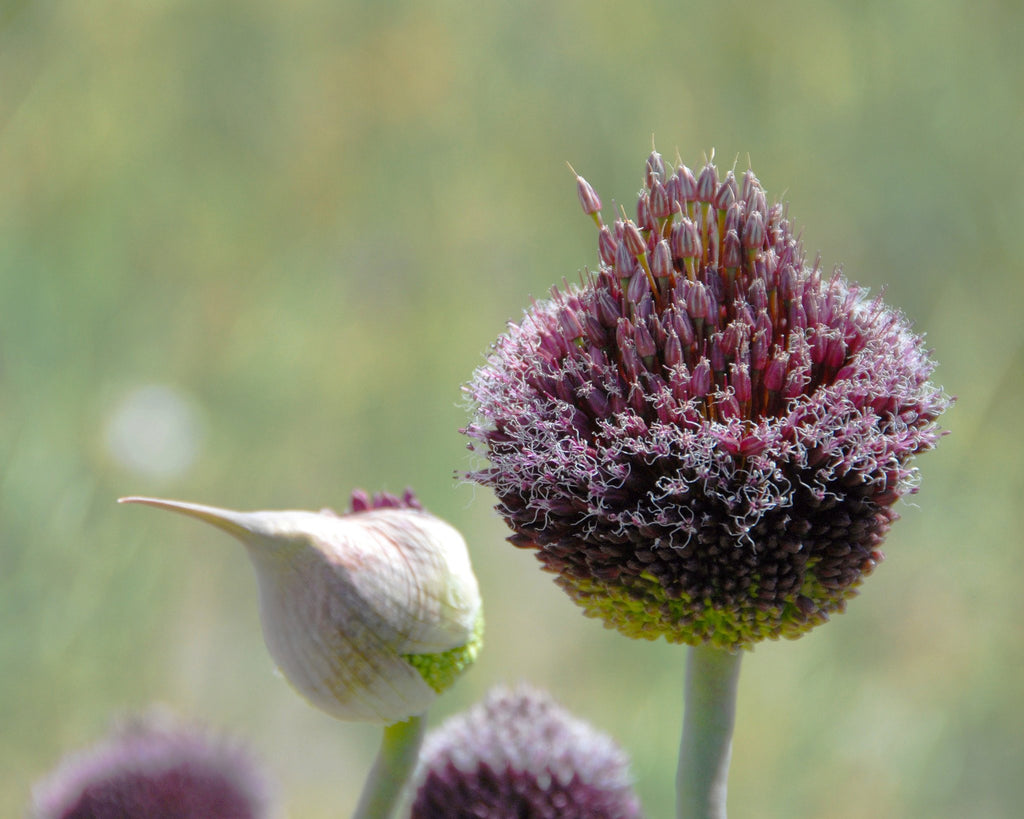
[368,615]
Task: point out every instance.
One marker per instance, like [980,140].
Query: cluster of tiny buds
[708,278]
[363,501]
[704,438]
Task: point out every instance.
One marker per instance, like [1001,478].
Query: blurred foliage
[308,220]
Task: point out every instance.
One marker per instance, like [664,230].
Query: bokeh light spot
[155,430]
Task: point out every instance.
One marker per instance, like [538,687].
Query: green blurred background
[250,250]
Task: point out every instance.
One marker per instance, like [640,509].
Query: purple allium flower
[704,440]
[153,768]
[519,755]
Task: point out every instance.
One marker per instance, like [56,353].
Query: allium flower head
[153,768]
[704,440]
[519,755]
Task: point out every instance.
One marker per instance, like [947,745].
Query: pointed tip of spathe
[228,520]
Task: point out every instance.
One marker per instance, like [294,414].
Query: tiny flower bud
[744,317]
[700,379]
[757,295]
[625,262]
[655,169]
[638,286]
[683,327]
[718,355]
[811,307]
[750,184]
[836,353]
[707,184]
[698,304]
[606,246]
[645,345]
[687,184]
[797,315]
[775,373]
[735,337]
[595,331]
[739,378]
[589,199]
[608,309]
[673,187]
[732,252]
[632,366]
[571,326]
[753,231]
[632,239]
[644,217]
[661,261]
[673,351]
[758,203]
[734,217]
[661,203]
[679,381]
[726,193]
[644,308]
[684,241]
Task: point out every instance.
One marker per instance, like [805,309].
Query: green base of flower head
[645,611]
[439,671]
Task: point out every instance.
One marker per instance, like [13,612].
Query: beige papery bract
[368,615]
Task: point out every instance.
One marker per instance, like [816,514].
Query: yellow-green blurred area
[250,250]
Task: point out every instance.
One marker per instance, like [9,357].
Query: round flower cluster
[153,766]
[705,438]
[518,753]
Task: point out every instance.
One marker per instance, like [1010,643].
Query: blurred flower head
[519,754]
[369,615]
[151,767]
[704,439]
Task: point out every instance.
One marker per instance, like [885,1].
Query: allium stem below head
[712,675]
[395,761]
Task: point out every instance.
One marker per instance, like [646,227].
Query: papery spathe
[369,614]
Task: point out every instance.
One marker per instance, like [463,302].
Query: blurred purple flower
[705,439]
[519,755]
[153,768]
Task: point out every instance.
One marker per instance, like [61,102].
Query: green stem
[399,750]
[710,711]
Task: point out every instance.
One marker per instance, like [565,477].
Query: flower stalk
[709,714]
[395,761]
